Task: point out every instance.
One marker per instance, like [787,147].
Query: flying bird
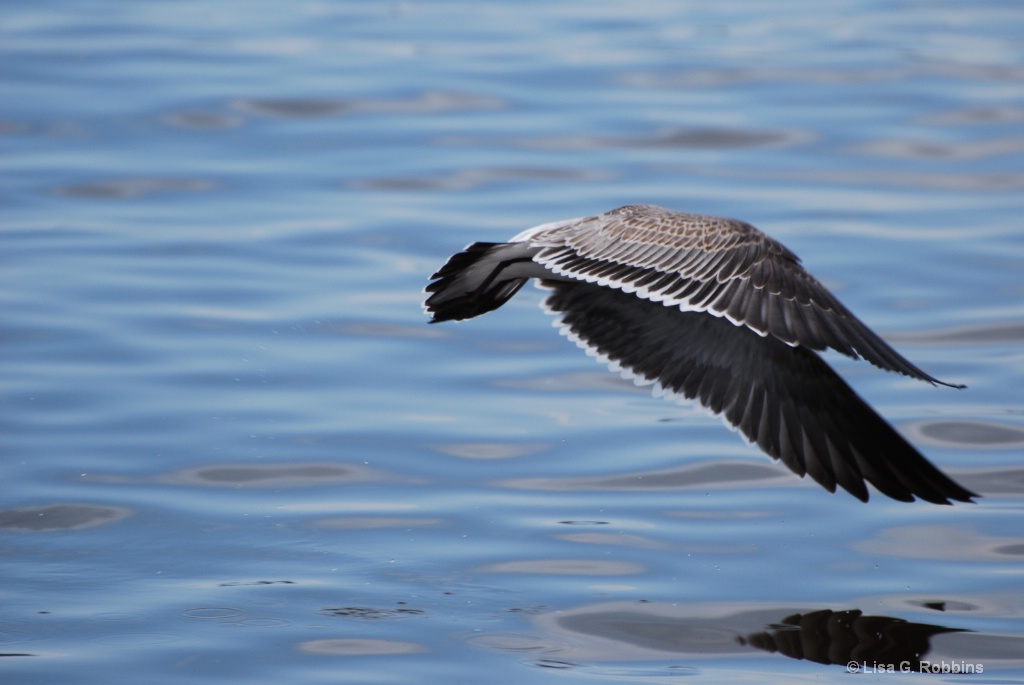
[713,310]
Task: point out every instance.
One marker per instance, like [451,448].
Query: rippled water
[232,448]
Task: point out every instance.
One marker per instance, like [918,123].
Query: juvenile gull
[713,310]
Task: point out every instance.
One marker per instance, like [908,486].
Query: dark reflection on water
[294,108]
[60,517]
[360,647]
[995,332]
[712,138]
[929,149]
[747,75]
[841,637]
[705,138]
[469,179]
[429,102]
[978,115]
[201,120]
[272,475]
[372,613]
[133,187]
[1003,482]
[969,433]
[850,637]
[722,472]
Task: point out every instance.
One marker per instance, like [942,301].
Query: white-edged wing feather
[720,266]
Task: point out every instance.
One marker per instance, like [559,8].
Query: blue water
[232,449]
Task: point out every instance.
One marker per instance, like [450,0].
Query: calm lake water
[232,449]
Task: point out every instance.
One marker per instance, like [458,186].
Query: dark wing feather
[709,264]
[785,399]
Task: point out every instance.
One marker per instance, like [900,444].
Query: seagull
[710,309]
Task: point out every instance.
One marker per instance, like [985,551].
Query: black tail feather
[470,283]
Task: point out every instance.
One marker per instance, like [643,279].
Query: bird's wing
[724,267]
[785,399]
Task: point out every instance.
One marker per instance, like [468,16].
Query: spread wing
[720,266]
[785,399]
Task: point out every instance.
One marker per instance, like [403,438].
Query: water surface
[233,449]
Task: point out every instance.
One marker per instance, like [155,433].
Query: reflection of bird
[714,310]
[873,643]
